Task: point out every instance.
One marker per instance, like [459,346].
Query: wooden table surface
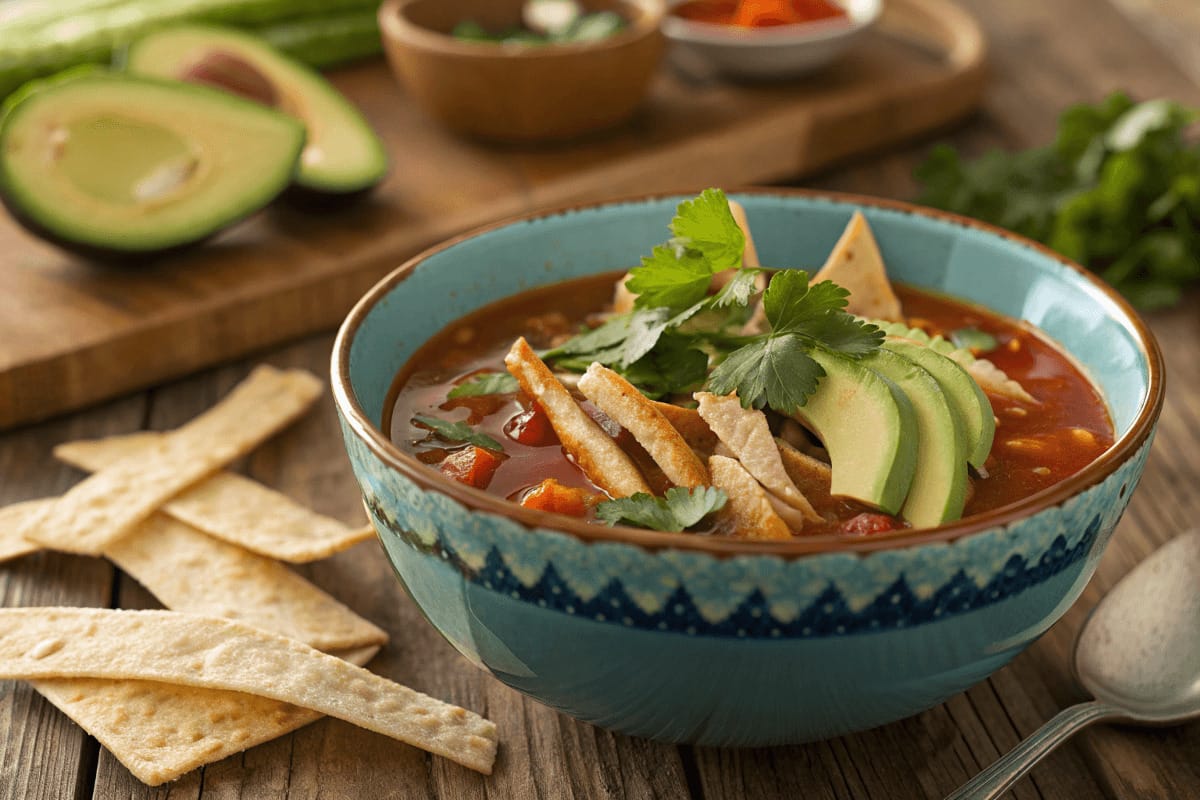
[1046,54]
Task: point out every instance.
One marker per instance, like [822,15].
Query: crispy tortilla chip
[812,475]
[109,503]
[792,517]
[634,412]
[188,571]
[993,379]
[691,427]
[600,458]
[13,520]
[856,265]
[746,433]
[622,302]
[230,507]
[748,506]
[161,732]
[212,653]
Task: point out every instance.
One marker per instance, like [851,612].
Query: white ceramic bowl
[768,53]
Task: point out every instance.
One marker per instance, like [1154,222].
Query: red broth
[1036,444]
[758,13]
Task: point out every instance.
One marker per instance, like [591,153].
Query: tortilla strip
[229,506]
[188,571]
[812,474]
[600,458]
[856,265]
[748,506]
[212,653]
[691,427]
[109,503]
[993,379]
[634,412]
[13,520]
[746,433]
[160,731]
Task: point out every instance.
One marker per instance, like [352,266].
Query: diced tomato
[867,523]
[472,465]
[550,495]
[531,428]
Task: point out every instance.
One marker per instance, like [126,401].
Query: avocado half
[110,164]
[343,155]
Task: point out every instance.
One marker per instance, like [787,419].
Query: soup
[697,457]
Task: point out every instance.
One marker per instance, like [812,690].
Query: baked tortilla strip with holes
[230,507]
[746,432]
[161,732]
[211,653]
[748,506]
[634,412]
[600,458]
[109,503]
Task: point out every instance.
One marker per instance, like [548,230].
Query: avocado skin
[116,253]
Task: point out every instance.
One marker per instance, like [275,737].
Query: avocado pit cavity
[233,74]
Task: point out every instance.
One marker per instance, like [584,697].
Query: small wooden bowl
[520,93]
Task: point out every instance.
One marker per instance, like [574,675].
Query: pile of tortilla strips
[249,650]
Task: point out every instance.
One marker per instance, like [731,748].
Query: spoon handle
[1008,769]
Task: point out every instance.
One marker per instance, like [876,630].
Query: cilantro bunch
[1118,191]
[677,331]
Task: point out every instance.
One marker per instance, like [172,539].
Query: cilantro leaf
[485,383]
[1118,190]
[457,432]
[775,371]
[705,224]
[670,277]
[680,509]
[738,291]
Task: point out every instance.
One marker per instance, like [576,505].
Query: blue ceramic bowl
[730,642]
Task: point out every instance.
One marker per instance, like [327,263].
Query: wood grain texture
[1036,70]
[73,332]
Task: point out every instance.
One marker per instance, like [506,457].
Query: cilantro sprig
[677,330]
[457,432]
[485,383]
[1118,191]
[679,510]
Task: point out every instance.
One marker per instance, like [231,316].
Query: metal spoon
[1138,655]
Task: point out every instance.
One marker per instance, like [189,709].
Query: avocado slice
[869,428]
[111,164]
[964,394]
[939,484]
[343,155]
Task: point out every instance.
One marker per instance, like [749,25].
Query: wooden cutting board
[74,332]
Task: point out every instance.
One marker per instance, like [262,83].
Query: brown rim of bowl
[476,499]
[394,24]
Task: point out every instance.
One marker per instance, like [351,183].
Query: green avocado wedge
[343,155]
[964,394]
[109,164]
[869,428]
[939,484]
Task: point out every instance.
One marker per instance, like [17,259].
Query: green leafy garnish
[458,432]
[1118,191]
[484,384]
[973,339]
[776,369]
[677,329]
[679,510]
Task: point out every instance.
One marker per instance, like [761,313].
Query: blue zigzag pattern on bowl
[752,596]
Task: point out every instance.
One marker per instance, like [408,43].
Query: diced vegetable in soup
[702,394]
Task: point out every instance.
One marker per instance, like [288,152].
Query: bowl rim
[478,500]
[817,31]
[395,25]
